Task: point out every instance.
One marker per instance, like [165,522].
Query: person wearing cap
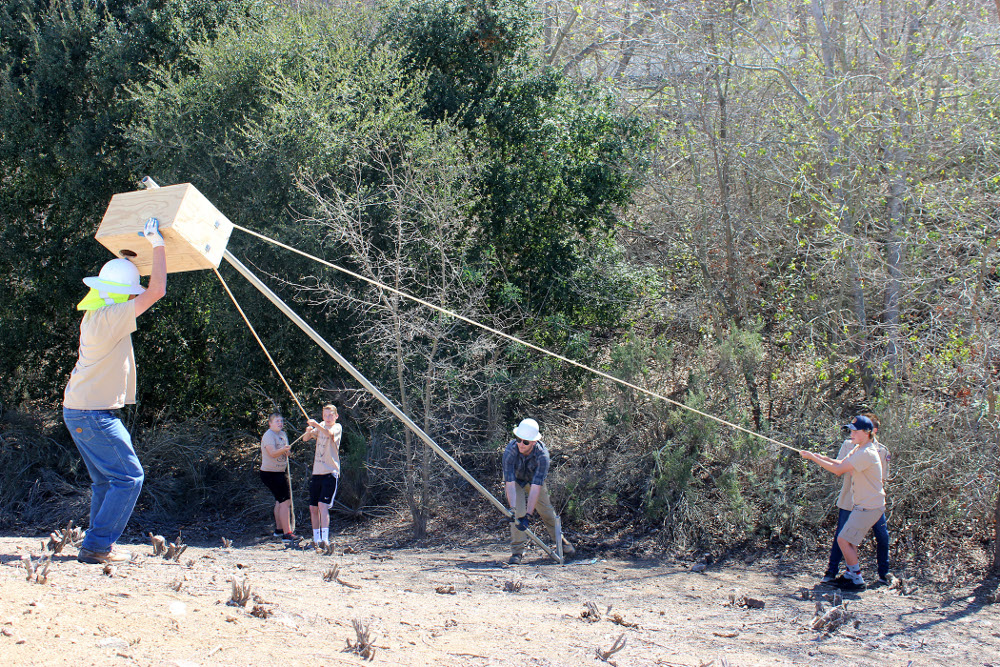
[845,503]
[525,467]
[865,467]
[102,382]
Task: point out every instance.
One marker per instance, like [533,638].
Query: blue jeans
[115,473]
[881,532]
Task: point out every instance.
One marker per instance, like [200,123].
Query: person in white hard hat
[525,467]
[102,382]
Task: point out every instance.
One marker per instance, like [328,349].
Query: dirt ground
[459,603]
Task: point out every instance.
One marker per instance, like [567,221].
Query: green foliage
[354,472]
[758,278]
[64,70]
[671,474]
[561,161]
[467,47]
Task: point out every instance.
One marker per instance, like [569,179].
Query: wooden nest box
[195,232]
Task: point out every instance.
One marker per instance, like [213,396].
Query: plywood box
[194,231]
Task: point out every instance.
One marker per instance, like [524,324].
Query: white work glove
[151,232]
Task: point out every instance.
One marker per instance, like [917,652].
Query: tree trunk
[425,460]
[409,455]
[996,522]
[990,377]
[897,166]
[835,155]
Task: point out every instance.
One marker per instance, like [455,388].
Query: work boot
[101,557]
[568,549]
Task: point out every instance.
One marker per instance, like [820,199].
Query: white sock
[316,537]
[325,534]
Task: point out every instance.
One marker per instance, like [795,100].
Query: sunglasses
[524,442]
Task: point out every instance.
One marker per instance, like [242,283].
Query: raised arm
[317,426]
[158,278]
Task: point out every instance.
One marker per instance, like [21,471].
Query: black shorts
[322,489]
[277,482]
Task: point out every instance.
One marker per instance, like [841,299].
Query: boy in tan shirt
[274,450]
[326,472]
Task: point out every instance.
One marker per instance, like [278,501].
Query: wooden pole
[374,391]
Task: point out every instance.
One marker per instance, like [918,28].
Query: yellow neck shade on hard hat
[98,299]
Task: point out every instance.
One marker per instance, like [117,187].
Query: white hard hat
[528,430]
[119,276]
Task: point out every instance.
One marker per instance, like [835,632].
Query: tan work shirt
[274,440]
[104,375]
[866,480]
[846,499]
[327,458]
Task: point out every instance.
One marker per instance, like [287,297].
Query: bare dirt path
[463,605]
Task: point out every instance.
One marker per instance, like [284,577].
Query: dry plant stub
[68,535]
[736,600]
[617,646]
[832,619]
[194,231]
[241,593]
[365,644]
[159,544]
[591,613]
[37,573]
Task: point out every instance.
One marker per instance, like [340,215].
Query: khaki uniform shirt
[327,458]
[866,480]
[275,441]
[104,375]
[846,499]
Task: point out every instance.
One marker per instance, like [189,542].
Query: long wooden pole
[374,391]
[288,462]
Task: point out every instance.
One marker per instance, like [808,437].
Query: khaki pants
[544,509]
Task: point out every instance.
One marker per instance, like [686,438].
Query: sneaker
[277,533]
[850,583]
[101,557]
[886,580]
[515,559]
[290,537]
[829,578]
